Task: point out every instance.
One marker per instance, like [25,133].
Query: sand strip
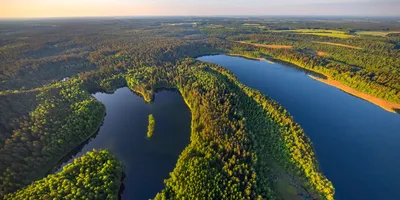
[387,105]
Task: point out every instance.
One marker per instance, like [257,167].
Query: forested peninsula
[243,145]
[95,175]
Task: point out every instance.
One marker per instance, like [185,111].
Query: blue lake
[147,162]
[357,143]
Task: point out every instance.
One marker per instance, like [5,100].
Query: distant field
[254,25]
[376,33]
[319,32]
[3,48]
[272,46]
[275,46]
[315,53]
[247,24]
[214,26]
[179,24]
[321,53]
[338,44]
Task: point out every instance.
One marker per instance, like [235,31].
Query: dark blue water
[147,162]
[357,143]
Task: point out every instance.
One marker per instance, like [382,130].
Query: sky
[87,8]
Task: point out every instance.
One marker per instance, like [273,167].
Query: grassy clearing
[287,190]
[330,35]
[254,25]
[315,53]
[275,46]
[376,33]
[340,45]
[215,26]
[10,46]
[319,32]
[321,53]
[272,46]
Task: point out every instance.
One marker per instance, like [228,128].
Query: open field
[321,53]
[315,53]
[272,46]
[254,25]
[340,45]
[3,48]
[320,32]
[376,33]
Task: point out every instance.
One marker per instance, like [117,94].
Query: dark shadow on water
[209,54]
[122,187]
[97,89]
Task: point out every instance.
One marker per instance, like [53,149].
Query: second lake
[356,142]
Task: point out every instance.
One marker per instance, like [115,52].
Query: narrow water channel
[357,142]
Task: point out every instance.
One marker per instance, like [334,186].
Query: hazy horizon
[14,9]
[206,16]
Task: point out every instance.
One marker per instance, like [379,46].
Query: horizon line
[238,15]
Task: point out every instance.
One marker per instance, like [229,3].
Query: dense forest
[64,116]
[95,175]
[243,144]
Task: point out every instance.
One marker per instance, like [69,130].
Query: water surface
[357,142]
[147,162]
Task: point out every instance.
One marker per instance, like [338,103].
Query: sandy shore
[387,105]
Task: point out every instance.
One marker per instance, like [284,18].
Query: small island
[150,128]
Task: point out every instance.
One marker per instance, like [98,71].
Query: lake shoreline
[384,104]
[62,160]
[243,56]
[389,106]
[272,60]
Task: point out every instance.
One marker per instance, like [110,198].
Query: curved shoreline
[62,160]
[384,104]
[389,106]
[243,56]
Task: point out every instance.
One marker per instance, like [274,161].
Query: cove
[146,162]
[356,142]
